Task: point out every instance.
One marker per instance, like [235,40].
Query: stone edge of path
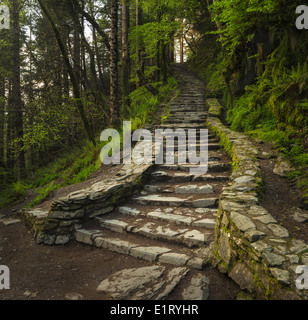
[250,246]
[69,213]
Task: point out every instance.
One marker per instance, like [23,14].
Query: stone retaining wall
[69,213]
[250,245]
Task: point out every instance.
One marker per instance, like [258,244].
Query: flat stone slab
[194,237]
[273,259]
[299,215]
[177,259]
[194,189]
[148,253]
[176,218]
[154,282]
[242,222]
[278,230]
[9,221]
[130,211]
[116,245]
[205,223]
[114,225]
[204,203]
[153,231]
[198,288]
[87,236]
[161,200]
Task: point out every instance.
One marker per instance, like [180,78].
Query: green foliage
[260,69]
[150,34]
[144,104]
[13,192]
[239,20]
[43,193]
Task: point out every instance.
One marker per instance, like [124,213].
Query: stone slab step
[200,217]
[168,176]
[212,167]
[210,146]
[185,119]
[179,189]
[187,108]
[176,201]
[152,251]
[182,235]
[210,136]
[183,126]
[175,114]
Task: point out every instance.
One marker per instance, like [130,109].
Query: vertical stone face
[224,249]
[250,245]
[243,276]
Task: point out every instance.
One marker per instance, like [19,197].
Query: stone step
[180,189]
[211,143]
[187,108]
[188,154]
[189,100]
[199,217]
[151,250]
[188,236]
[171,176]
[183,114]
[183,126]
[179,118]
[178,200]
[211,138]
[212,167]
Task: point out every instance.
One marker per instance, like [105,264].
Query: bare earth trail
[163,233]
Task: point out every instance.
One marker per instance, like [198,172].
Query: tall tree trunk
[9,130]
[16,94]
[165,62]
[114,59]
[65,75]
[139,22]
[181,47]
[88,16]
[70,70]
[2,120]
[158,61]
[125,55]
[76,52]
[98,58]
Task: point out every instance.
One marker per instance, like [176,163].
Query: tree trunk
[98,58]
[76,52]
[139,21]
[70,70]
[16,94]
[181,47]
[125,55]
[2,120]
[158,61]
[114,59]
[9,130]
[104,36]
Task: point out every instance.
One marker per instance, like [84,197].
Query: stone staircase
[172,220]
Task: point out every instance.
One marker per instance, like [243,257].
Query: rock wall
[250,245]
[69,213]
